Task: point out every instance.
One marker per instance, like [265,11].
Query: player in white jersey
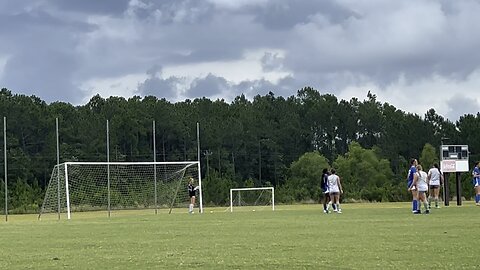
[335,188]
[435,180]
[421,185]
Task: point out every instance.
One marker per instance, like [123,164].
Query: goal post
[93,186]
[257,196]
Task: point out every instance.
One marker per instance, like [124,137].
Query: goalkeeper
[191,192]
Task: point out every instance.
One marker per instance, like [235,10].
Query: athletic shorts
[434,186]
[409,183]
[476,182]
[334,193]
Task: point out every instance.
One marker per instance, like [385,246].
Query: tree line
[268,141]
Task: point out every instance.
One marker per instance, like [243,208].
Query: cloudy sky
[415,55]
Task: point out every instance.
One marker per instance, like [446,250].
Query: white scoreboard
[454,158]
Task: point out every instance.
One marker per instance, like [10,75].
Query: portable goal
[252,198]
[90,186]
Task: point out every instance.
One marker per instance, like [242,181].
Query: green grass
[365,236]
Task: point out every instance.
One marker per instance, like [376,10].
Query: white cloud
[249,67]
[446,95]
[124,86]
[3,62]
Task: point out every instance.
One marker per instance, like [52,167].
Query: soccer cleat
[325,211]
[339,211]
[427,211]
[417,212]
[438,207]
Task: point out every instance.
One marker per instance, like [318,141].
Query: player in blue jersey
[325,190]
[476,182]
[411,174]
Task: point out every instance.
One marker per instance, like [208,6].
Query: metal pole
[199,169]
[58,168]
[446,189]
[458,188]
[259,164]
[108,169]
[5,162]
[155,167]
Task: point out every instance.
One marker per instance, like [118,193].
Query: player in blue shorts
[326,192]
[476,182]
[411,173]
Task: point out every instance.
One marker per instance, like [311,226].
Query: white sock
[190,208]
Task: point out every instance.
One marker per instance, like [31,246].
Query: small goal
[108,186]
[252,198]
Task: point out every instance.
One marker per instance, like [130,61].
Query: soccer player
[420,184]
[191,192]
[435,180]
[476,182]
[335,189]
[411,173]
[326,193]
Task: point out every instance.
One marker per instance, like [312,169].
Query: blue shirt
[476,170]
[324,184]
[411,173]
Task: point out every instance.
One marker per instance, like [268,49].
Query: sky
[415,55]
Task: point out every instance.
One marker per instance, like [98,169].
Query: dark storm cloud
[50,78]
[115,7]
[52,48]
[209,86]
[285,14]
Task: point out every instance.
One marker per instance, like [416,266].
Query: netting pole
[108,170]
[199,169]
[155,168]
[58,169]
[67,192]
[231,201]
[5,162]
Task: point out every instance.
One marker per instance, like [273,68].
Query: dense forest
[270,140]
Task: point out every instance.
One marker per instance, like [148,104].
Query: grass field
[365,236]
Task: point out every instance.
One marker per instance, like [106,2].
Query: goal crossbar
[131,184]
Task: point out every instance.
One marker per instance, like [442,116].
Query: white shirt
[434,174]
[422,181]
[333,183]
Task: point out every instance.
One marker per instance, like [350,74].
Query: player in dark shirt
[326,192]
[191,193]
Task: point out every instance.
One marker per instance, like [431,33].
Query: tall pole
[155,167]
[58,168]
[259,164]
[108,169]
[199,168]
[5,162]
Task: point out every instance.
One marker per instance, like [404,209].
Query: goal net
[252,199]
[90,186]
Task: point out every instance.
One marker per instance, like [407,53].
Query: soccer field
[365,236]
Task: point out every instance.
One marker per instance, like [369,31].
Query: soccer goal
[90,186]
[252,198]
